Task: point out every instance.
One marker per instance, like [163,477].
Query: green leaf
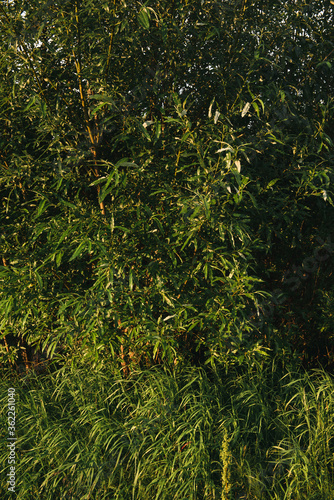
[41,208]
[39,279]
[79,250]
[30,103]
[272,183]
[59,256]
[256,108]
[144,18]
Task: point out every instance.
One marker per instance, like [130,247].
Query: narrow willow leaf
[144,18]
[41,207]
[78,250]
[210,108]
[238,165]
[39,280]
[148,123]
[272,183]
[59,256]
[245,109]
[169,317]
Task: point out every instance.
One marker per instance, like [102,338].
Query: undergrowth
[86,433]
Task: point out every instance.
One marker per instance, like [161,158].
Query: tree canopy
[166,177]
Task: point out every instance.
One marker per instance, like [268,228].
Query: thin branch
[109,54]
[84,105]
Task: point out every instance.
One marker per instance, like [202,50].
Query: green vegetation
[166,241]
[160,434]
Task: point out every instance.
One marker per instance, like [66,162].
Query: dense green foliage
[158,435]
[166,186]
[163,167]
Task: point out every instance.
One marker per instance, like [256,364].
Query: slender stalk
[109,54]
[93,139]
[109,49]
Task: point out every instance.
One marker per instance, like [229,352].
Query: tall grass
[89,434]
[285,431]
